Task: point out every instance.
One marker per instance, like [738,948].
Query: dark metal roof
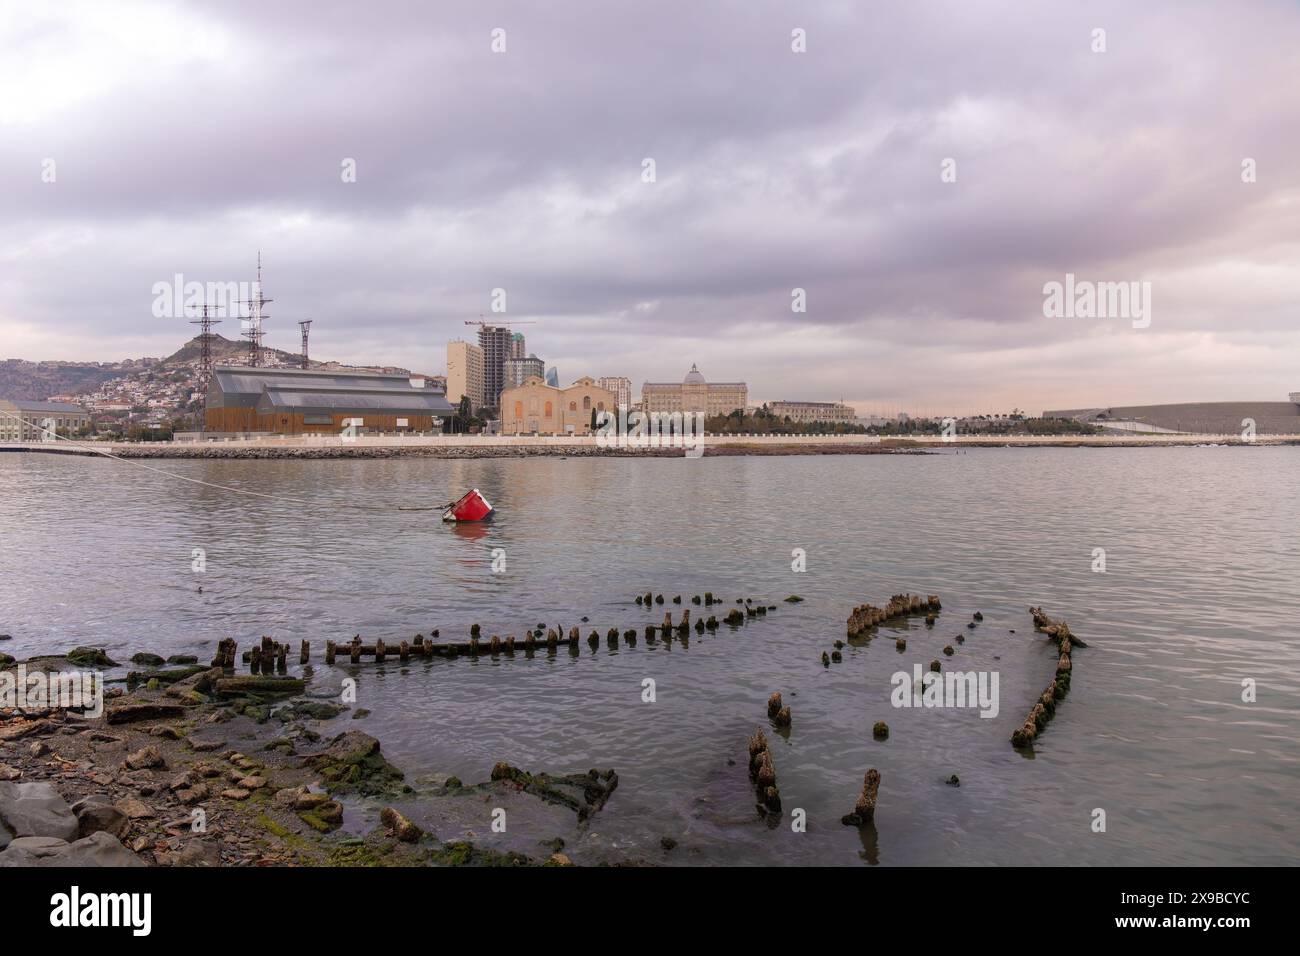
[325,401]
[236,386]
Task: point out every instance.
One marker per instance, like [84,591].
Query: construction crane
[480,321]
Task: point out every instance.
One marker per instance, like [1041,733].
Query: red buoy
[472,507]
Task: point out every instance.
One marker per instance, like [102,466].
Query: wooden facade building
[304,401]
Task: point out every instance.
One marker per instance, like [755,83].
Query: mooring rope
[208,484]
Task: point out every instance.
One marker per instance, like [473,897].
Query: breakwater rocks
[762,771]
[1044,709]
[220,450]
[866,616]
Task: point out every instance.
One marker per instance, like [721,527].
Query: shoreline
[277,775]
[532,447]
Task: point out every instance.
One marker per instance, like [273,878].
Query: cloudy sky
[184,137]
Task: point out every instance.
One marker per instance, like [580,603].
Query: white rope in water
[197,481]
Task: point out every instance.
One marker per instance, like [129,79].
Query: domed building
[694,394]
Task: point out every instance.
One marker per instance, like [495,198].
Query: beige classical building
[537,407]
[21,420]
[805,412]
[465,373]
[694,394]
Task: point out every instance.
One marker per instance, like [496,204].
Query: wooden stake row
[900,605]
[1044,708]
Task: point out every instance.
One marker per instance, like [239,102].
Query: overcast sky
[187,136]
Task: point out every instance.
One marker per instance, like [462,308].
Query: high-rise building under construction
[497,343]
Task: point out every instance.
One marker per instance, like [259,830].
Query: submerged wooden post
[864,811]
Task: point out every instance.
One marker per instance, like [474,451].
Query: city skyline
[774,171]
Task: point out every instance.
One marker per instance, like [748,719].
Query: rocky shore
[191,766]
[216,451]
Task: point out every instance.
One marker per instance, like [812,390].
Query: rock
[95,814]
[953,781]
[901,644]
[398,826]
[39,749]
[195,794]
[251,783]
[165,731]
[880,730]
[25,728]
[793,599]
[668,844]
[204,746]
[200,682]
[948,650]
[324,818]
[935,665]
[559,859]
[146,757]
[309,709]
[235,793]
[310,801]
[34,809]
[287,796]
[147,660]
[98,849]
[90,657]
[9,773]
[239,686]
[979,616]
[195,852]
[128,713]
[134,809]
[186,659]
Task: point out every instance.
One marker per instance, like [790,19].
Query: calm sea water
[1199,593]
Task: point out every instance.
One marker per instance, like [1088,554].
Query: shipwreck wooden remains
[762,771]
[1044,709]
[864,811]
[866,616]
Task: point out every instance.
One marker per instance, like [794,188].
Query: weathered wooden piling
[304,653]
[330,650]
[864,811]
[774,703]
[866,616]
[1044,709]
[762,770]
